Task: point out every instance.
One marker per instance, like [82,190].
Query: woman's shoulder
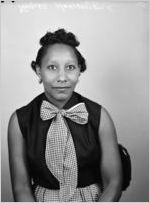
[91,104]
[94,110]
[35,102]
[26,112]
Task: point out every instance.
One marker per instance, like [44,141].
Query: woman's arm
[110,164]
[18,165]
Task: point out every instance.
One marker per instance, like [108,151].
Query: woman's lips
[61,88]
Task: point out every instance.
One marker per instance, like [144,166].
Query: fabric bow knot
[77,113]
[60,152]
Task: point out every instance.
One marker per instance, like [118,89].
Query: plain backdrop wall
[114,41]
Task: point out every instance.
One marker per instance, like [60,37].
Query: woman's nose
[62,76]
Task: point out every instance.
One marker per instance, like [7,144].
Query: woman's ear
[38,72]
[80,69]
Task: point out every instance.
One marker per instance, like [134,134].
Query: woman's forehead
[56,51]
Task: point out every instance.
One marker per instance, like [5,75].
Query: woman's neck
[58,103]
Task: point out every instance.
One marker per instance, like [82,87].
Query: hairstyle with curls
[62,37]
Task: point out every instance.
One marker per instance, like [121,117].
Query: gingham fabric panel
[90,193]
[60,152]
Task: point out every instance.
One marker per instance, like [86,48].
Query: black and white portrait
[99,49]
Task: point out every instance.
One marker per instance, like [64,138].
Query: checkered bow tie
[60,152]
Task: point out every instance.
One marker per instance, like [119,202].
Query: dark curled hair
[62,37]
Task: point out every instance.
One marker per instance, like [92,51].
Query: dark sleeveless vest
[85,138]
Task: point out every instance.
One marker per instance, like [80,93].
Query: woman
[63,146]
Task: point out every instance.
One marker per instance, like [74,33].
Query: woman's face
[59,72]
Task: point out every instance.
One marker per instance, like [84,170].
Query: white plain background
[114,41]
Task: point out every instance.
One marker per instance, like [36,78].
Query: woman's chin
[59,95]
[62,96]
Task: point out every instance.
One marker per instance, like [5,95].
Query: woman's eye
[52,67]
[71,67]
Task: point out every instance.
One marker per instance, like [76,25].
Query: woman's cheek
[50,78]
[74,81]
[74,77]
